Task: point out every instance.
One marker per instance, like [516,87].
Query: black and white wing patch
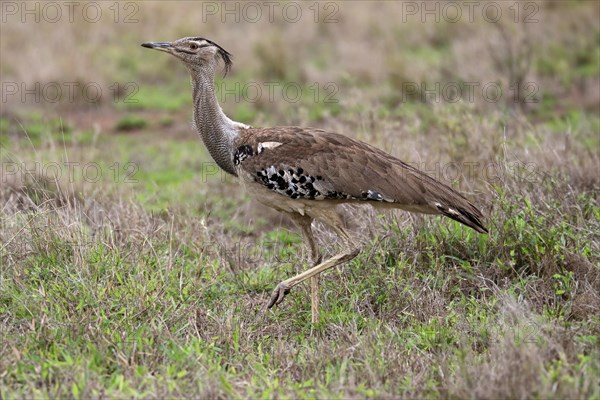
[294,182]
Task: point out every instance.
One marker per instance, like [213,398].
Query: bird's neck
[217,131]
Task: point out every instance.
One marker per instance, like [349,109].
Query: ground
[130,266]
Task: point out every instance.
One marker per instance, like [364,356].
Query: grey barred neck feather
[216,130]
[306,172]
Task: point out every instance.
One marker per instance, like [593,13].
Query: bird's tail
[447,201]
[464,212]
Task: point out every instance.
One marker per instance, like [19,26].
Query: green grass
[130,123]
[158,287]
[157,97]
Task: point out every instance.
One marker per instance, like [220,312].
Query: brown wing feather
[315,164]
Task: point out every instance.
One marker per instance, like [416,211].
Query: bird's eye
[193,46]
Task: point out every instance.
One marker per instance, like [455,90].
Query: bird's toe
[278,294]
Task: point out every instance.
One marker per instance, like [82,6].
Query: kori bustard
[306,172]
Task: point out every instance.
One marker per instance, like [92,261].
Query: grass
[131,122]
[164,98]
[152,280]
[134,291]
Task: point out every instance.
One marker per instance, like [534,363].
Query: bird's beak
[164,46]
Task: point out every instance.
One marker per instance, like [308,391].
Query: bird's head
[194,52]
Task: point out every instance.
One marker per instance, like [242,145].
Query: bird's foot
[278,294]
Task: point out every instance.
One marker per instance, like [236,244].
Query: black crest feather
[225,55]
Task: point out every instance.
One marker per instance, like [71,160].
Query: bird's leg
[305,224]
[315,259]
[314,299]
[284,287]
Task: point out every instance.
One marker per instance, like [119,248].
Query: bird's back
[315,165]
